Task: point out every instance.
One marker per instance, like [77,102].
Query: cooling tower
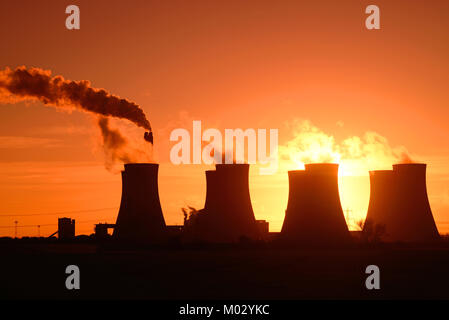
[140,216]
[234,213]
[399,205]
[228,214]
[314,214]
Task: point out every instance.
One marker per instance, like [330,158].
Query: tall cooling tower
[399,203]
[314,214]
[229,213]
[235,212]
[140,216]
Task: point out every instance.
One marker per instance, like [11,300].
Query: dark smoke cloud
[37,84]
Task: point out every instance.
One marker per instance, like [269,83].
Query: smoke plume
[117,148]
[113,143]
[37,84]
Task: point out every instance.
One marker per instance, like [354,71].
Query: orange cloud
[356,155]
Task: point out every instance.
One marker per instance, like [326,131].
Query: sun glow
[355,155]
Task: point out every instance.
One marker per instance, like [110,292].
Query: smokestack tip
[148,136]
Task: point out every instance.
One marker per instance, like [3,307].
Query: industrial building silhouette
[399,204]
[66,228]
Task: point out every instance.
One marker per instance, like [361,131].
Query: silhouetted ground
[37,270]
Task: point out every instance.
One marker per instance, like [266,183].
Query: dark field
[241,272]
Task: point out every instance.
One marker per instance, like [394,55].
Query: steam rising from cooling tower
[314,215]
[117,148]
[113,143]
[310,144]
[399,206]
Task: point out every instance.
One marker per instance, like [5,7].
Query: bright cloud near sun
[356,155]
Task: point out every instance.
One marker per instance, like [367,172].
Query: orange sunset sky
[335,90]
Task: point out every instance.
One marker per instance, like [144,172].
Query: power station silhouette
[398,205]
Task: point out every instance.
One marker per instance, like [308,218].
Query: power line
[31,225]
[55,213]
[51,224]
